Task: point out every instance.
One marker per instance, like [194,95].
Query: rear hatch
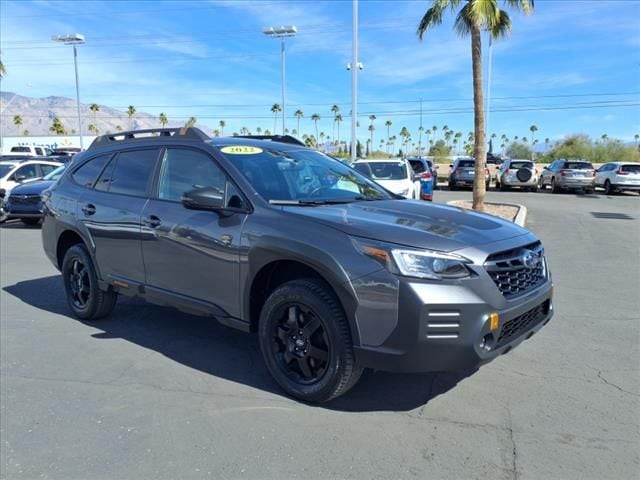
[629,174]
[578,171]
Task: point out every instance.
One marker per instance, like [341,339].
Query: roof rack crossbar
[275,138]
[191,133]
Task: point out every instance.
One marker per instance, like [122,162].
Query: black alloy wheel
[608,189]
[306,341]
[84,296]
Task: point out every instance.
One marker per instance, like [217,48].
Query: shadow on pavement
[203,344]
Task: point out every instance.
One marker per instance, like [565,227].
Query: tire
[608,188]
[84,296]
[300,315]
[554,187]
[541,184]
[487,186]
[503,188]
[30,221]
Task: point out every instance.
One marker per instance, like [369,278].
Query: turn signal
[494,321]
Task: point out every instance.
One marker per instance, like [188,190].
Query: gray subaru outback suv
[333,272]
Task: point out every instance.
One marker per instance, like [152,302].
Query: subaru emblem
[529,259]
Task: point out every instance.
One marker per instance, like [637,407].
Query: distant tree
[191,122]
[216,133]
[299,114]
[259,130]
[533,129]
[275,108]
[3,70]
[222,124]
[358,149]
[334,109]
[25,133]
[439,150]
[338,120]
[267,132]
[388,124]
[371,130]
[93,129]
[131,111]
[420,130]
[17,121]
[604,137]
[95,108]
[118,128]
[315,117]
[519,150]
[294,132]
[434,129]
[57,127]
[163,119]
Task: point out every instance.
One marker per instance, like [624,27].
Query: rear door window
[130,172]
[27,172]
[88,172]
[631,168]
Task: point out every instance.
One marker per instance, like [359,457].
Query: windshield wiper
[311,203]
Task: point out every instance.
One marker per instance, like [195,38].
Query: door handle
[89,209]
[151,221]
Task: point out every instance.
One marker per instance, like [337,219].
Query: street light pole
[74,39]
[354,81]
[282,33]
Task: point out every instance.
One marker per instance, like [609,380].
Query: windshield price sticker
[241,150]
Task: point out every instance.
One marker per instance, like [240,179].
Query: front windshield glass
[382,170]
[5,169]
[301,175]
[56,174]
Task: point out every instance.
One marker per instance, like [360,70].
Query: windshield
[578,166]
[301,175]
[631,168]
[515,165]
[382,170]
[5,169]
[56,174]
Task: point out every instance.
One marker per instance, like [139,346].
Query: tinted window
[521,165]
[131,172]
[184,170]
[39,151]
[88,172]
[630,168]
[466,164]
[417,166]
[5,168]
[21,149]
[578,166]
[55,174]
[47,169]
[28,171]
[384,170]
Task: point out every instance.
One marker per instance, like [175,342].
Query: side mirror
[451,165]
[207,198]
[417,177]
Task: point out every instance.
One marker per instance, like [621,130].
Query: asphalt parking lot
[152,393]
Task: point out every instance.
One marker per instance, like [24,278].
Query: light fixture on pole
[282,33]
[74,39]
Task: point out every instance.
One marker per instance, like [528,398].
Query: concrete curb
[521,216]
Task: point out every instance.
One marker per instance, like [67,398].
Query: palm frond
[484,12]
[464,21]
[525,5]
[502,27]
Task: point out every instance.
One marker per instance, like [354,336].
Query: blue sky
[572,66]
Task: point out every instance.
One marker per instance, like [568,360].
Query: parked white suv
[618,177]
[15,172]
[30,151]
[397,176]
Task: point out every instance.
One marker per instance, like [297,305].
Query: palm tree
[338,119]
[475,16]
[275,108]
[546,142]
[131,111]
[93,129]
[605,137]
[533,129]
[216,133]
[163,119]
[315,117]
[118,128]
[17,121]
[420,130]
[371,129]
[191,122]
[26,133]
[95,108]
[3,71]
[334,109]
[259,130]
[388,124]
[299,114]
[57,127]
[222,124]
[636,137]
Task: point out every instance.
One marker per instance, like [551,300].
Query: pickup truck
[31,151]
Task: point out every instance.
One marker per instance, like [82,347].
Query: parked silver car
[463,171]
[517,173]
[618,177]
[568,175]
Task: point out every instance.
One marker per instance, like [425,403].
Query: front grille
[25,199]
[518,270]
[522,323]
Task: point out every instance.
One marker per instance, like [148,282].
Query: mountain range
[37,115]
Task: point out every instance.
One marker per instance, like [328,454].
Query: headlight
[414,262]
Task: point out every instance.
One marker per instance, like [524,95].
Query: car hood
[413,223]
[32,188]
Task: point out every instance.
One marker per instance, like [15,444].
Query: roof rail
[190,133]
[274,138]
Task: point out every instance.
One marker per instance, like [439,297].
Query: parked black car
[24,201]
[333,272]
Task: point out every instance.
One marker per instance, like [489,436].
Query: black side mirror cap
[207,198]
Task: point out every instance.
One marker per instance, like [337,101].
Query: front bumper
[447,328]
